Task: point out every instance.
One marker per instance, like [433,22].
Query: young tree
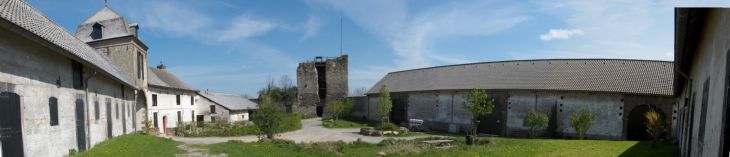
[479,104]
[267,117]
[582,121]
[338,108]
[385,105]
[654,125]
[535,122]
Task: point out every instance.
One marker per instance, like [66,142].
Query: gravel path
[312,131]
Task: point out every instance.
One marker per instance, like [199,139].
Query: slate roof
[599,75]
[30,19]
[113,25]
[164,78]
[230,101]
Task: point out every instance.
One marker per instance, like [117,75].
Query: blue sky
[235,46]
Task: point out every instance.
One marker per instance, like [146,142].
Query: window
[96,31]
[192,117]
[212,108]
[178,99]
[96,109]
[703,111]
[179,116]
[53,106]
[121,89]
[116,112]
[154,99]
[77,74]
[154,118]
[192,100]
[140,66]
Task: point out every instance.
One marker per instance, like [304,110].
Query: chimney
[161,66]
[133,28]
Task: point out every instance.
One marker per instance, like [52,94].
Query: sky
[236,46]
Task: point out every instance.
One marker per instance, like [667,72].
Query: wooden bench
[439,143]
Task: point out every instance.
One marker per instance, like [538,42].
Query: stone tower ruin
[319,81]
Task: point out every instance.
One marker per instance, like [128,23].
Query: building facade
[56,92]
[320,81]
[618,91]
[171,102]
[702,79]
[222,107]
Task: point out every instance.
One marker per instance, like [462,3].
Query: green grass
[504,147]
[342,123]
[135,145]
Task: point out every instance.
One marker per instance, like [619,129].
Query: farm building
[619,91]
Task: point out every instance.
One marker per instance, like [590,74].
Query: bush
[216,129]
[535,122]
[387,127]
[290,122]
[654,125]
[582,121]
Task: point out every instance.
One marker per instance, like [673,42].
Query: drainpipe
[86,107]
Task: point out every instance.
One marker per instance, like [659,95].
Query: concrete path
[312,131]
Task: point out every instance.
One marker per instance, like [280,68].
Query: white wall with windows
[168,106]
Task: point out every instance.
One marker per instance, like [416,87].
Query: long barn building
[619,91]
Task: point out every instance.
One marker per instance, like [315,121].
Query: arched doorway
[637,123]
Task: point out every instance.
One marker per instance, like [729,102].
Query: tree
[385,105]
[582,121]
[267,118]
[654,125]
[479,104]
[339,108]
[535,122]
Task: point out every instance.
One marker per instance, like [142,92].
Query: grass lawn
[504,147]
[135,145]
[342,123]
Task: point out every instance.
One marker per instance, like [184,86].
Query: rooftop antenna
[340,36]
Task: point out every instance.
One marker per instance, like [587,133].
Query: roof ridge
[528,60]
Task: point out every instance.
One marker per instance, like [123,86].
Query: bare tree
[359,91]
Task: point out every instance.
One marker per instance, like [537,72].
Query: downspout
[86,107]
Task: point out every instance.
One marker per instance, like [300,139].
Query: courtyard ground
[312,131]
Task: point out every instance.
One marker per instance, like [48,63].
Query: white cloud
[560,34]
[181,20]
[311,27]
[410,33]
[244,27]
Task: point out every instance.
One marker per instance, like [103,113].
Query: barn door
[11,133]
[80,126]
[109,128]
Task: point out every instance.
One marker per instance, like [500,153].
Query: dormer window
[96,32]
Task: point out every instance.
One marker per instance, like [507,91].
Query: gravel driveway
[312,131]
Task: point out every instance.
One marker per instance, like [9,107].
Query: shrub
[216,129]
[338,108]
[582,121]
[385,105]
[268,117]
[654,125]
[290,122]
[479,104]
[535,122]
[387,127]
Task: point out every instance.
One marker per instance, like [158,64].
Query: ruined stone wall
[336,78]
[307,90]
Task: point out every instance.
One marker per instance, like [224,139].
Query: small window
[53,106]
[192,117]
[192,100]
[77,74]
[116,112]
[96,109]
[140,66]
[179,116]
[154,118]
[154,99]
[96,31]
[121,89]
[212,108]
[178,99]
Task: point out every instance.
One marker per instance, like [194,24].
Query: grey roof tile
[230,101]
[26,17]
[603,75]
[164,78]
